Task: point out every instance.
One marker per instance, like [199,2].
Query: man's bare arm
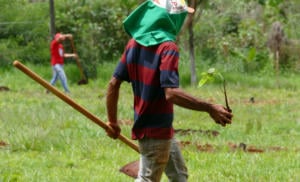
[183,99]
[112,97]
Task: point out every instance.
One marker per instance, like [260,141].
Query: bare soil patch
[233,147]
[213,133]
[4,88]
[3,144]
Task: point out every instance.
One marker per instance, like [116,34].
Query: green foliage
[232,35]
[97,29]
[229,34]
[231,24]
[23,34]
[96,26]
[274,3]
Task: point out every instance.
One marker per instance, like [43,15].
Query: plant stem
[225,94]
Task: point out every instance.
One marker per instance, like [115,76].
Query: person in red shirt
[57,60]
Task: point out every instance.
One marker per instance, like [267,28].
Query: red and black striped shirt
[150,70]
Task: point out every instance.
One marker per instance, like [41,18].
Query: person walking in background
[57,60]
[150,64]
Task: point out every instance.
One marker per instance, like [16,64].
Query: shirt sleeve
[169,76]
[121,71]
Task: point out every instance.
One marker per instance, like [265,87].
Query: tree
[52,18]
[192,19]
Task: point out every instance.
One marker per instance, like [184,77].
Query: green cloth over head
[151,24]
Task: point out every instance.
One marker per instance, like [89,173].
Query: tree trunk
[52,18]
[192,18]
[190,26]
[192,55]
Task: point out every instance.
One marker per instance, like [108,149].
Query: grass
[47,140]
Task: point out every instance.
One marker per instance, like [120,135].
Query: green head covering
[156,21]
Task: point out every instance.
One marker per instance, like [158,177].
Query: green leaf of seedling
[203,81]
[211,71]
[209,76]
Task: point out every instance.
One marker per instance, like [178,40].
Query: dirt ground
[4,88]
[232,146]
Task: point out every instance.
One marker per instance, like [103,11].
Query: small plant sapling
[211,75]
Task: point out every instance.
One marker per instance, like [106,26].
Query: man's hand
[70,55]
[220,115]
[116,130]
[69,36]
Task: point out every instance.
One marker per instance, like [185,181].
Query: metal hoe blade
[131,169]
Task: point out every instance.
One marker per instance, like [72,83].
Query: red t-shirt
[57,53]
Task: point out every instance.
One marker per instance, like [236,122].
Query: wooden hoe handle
[72,103]
[77,59]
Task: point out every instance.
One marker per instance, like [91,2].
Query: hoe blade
[131,169]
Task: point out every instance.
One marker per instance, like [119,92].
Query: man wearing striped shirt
[150,64]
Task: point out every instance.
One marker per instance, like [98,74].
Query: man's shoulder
[54,43]
[169,45]
[132,43]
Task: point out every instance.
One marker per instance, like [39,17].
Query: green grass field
[44,139]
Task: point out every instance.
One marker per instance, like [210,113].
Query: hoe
[130,169]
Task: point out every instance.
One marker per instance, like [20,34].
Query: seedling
[211,75]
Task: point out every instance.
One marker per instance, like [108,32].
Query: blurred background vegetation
[231,35]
